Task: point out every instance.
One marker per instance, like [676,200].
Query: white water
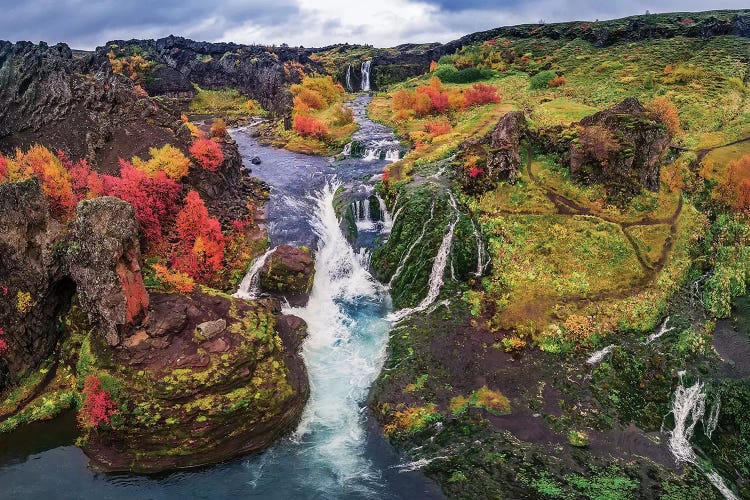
[437,275]
[344,351]
[387,220]
[662,330]
[249,287]
[347,151]
[362,215]
[599,355]
[366,76]
[481,262]
[392,155]
[414,243]
[688,408]
[349,87]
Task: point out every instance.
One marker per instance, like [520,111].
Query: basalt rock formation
[104,261]
[621,148]
[262,73]
[288,273]
[34,289]
[219,367]
[495,157]
[51,97]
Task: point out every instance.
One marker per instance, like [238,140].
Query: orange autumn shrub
[309,126]
[173,280]
[433,66]
[734,189]
[200,250]
[479,94]
[663,109]
[308,99]
[207,154]
[557,81]
[219,128]
[54,178]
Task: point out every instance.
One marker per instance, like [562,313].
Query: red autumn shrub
[98,406]
[207,153]
[557,81]
[153,198]
[438,127]
[201,245]
[479,94]
[3,343]
[386,175]
[3,168]
[309,126]
[86,182]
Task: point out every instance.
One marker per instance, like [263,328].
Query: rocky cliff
[79,105]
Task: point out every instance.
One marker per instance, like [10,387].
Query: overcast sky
[85,24]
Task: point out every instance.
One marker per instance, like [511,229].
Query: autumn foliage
[664,110]
[219,127]
[309,126]
[201,244]
[734,190]
[153,198]
[167,159]
[438,127]
[3,343]
[479,94]
[207,154]
[98,406]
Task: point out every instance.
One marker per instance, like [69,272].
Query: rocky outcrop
[483,162]
[262,73]
[288,273]
[205,378]
[621,148]
[34,291]
[79,105]
[105,264]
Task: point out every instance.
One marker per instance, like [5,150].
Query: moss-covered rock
[425,212]
[288,272]
[186,400]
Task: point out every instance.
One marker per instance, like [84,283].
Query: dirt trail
[566,206]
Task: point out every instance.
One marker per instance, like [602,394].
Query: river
[337,450]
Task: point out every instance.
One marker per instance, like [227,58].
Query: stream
[337,451]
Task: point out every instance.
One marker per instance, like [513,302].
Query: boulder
[105,264]
[210,329]
[288,272]
[481,163]
[255,160]
[621,148]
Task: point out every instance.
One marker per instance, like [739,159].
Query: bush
[438,127]
[309,99]
[201,242]
[557,81]
[167,159]
[343,115]
[541,80]
[308,126]
[479,94]
[207,154]
[450,74]
[219,127]
[663,110]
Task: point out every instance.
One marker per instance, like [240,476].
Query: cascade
[249,286]
[662,330]
[347,151]
[688,408]
[414,243]
[344,351]
[438,270]
[599,355]
[392,155]
[366,76]
[349,87]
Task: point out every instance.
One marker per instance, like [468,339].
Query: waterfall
[599,355]
[688,408]
[414,243]
[249,288]
[481,252]
[661,331]
[392,155]
[347,151]
[344,352]
[349,87]
[366,76]
[438,270]
[362,216]
[387,220]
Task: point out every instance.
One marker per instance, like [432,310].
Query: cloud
[86,24]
